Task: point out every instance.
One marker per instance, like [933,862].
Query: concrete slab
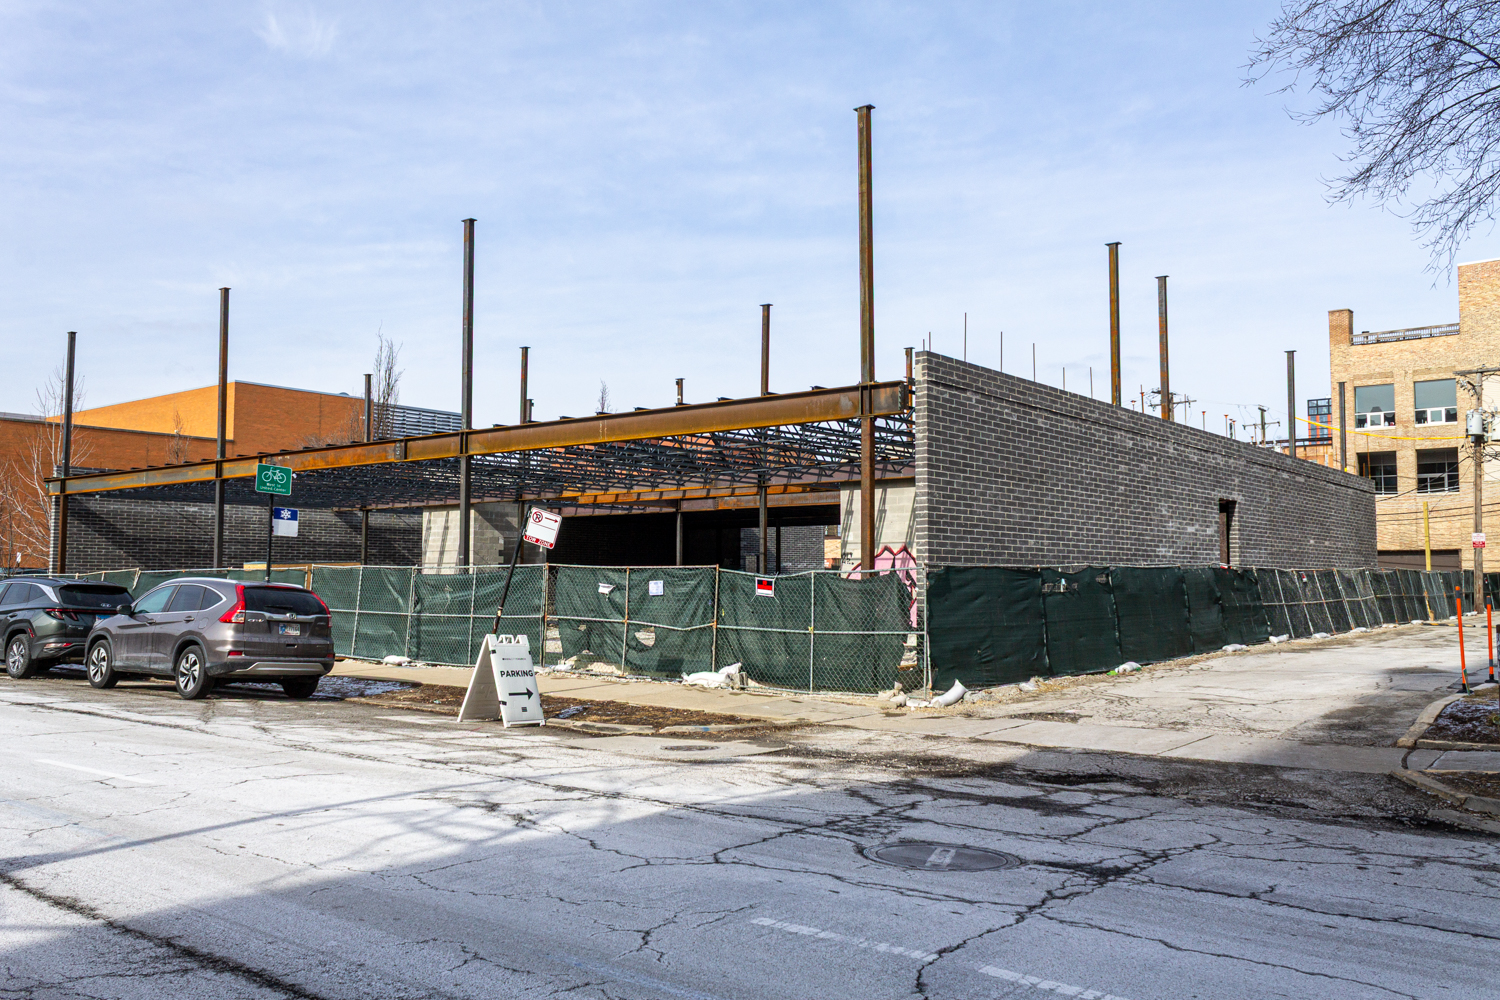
[1467,760]
[1082,736]
[928,726]
[1284,753]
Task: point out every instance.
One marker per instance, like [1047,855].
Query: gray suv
[200,631]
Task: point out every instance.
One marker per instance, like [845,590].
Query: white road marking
[1047,984]
[858,942]
[989,970]
[102,774]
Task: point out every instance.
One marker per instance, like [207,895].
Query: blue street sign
[284,521]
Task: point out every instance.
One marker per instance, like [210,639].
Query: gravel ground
[447,700]
[1475,719]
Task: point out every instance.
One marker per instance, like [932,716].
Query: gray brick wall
[1014,473]
[123,533]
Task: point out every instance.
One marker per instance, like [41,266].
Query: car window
[283,601]
[7,592]
[22,593]
[211,599]
[154,602]
[189,597]
[103,596]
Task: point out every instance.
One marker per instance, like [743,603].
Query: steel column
[866,344]
[467,392]
[1343,437]
[1161,318]
[220,452]
[1291,403]
[67,454]
[1114,324]
[369,410]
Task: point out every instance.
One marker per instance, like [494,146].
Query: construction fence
[831,631]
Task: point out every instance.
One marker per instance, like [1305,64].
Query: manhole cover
[940,857]
[677,749]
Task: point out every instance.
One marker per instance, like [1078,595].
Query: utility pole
[866,342]
[1262,410]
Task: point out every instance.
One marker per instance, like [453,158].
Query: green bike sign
[273,479]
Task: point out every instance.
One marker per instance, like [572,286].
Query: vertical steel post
[679,393]
[679,532]
[369,409]
[525,374]
[1426,538]
[765,390]
[908,365]
[364,512]
[1291,403]
[67,455]
[1115,395]
[1161,319]
[220,453]
[1343,437]
[1478,593]
[467,397]
[866,344]
[270,530]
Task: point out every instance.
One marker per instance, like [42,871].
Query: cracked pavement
[250,846]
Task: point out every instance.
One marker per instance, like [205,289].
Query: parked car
[46,620]
[202,630]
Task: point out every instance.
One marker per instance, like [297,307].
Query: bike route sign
[273,479]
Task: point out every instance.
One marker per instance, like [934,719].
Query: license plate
[291,630]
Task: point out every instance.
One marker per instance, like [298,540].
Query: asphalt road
[256,847]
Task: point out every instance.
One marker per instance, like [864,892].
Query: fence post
[921,574]
[411,592]
[541,605]
[359,595]
[713,652]
[469,628]
[812,620]
[625,629]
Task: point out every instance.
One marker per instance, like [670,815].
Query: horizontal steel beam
[814,406]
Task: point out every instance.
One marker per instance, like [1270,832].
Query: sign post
[540,529]
[274,481]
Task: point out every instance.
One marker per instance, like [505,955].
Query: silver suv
[201,630]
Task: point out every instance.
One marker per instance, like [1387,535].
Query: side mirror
[126,609]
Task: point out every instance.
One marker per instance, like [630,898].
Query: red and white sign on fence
[541,527]
[765,587]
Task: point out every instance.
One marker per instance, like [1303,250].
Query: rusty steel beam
[813,406]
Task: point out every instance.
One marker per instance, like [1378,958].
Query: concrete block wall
[1014,473]
[123,533]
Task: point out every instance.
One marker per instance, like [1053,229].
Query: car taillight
[236,613]
[325,605]
[61,614]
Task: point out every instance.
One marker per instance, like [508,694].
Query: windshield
[100,596]
[283,601]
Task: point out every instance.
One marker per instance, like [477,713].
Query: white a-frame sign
[504,684]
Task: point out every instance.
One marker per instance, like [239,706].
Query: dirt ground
[447,700]
[1475,719]
[1476,783]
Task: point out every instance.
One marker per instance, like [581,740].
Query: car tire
[18,661]
[101,666]
[300,687]
[190,673]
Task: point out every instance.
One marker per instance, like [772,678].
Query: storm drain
[923,856]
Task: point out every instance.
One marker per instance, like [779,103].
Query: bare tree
[177,444]
[387,387]
[23,487]
[603,406]
[1416,84]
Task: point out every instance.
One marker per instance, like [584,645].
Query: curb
[1432,786]
[1447,745]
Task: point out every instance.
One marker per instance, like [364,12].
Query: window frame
[1387,418]
[1367,466]
[1450,475]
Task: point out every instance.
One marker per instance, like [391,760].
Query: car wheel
[18,657]
[300,687]
[191,674]
[101,665]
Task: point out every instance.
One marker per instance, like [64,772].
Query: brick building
[1402,417]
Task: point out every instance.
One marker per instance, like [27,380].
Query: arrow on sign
[520,694]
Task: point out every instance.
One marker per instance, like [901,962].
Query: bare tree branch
[23,489]
[1415,85]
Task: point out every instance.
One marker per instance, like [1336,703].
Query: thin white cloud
[299,32]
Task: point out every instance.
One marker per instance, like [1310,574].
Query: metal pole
[220,452]
[369,410]
[1463,660]
[1291,403]
[679,533]
[1426,538]
[1343,437]
[1161,318]
[866,344]
[525,374]
[908,365]
[679,393]
[467,392]
[67,455]
[515,555]
[1478,593]
[765,390]
[270,525]
[364,536]
[1114,324]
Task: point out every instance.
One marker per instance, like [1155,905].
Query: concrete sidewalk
[993,725]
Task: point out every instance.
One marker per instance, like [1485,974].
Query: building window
[1320,419]
[1437,401]
[1437,471]
[1380,468]
[1375,405]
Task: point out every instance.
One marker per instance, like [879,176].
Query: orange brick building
[161,430]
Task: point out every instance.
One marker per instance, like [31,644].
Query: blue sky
[645,174]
